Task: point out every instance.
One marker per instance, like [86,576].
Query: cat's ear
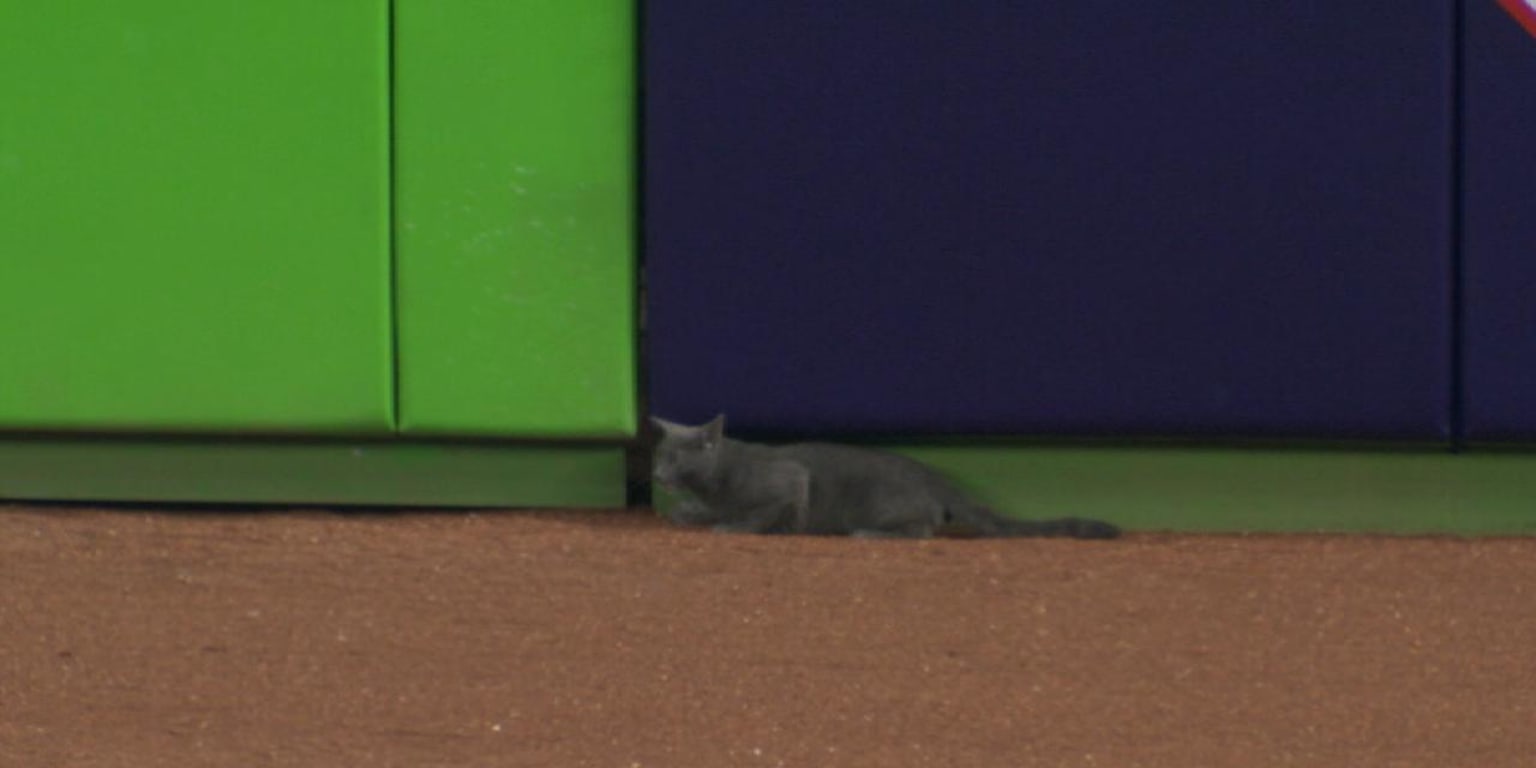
[666,427]
[714,431]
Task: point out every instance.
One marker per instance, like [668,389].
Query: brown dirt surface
[150,638]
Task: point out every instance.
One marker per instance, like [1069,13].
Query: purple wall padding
[1203,218]
[1499,226]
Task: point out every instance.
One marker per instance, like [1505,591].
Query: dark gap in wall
[637,455]
[392,209]
[1457,335]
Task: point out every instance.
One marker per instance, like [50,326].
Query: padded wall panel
[514,143]
[1082,218]
[193,216]
[1499,225]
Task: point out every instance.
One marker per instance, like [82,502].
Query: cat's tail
[989,523]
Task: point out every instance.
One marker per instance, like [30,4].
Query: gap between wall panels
[1457,394]
[637,455]
[392,209]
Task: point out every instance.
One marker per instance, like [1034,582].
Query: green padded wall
[193,215]
[514,191]
[368,471]
[1402,490]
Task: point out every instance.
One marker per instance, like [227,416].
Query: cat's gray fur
[821,488]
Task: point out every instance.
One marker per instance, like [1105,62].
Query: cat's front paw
[691,512]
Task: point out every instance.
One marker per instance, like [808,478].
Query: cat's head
[686,457]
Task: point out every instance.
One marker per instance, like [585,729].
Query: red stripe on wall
[1523,11]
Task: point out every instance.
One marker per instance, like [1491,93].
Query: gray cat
[820,488]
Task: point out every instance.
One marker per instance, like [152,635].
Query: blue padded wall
[977,216]
[1498,225]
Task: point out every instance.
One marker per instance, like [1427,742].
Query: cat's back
[828,461]
[864,489]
